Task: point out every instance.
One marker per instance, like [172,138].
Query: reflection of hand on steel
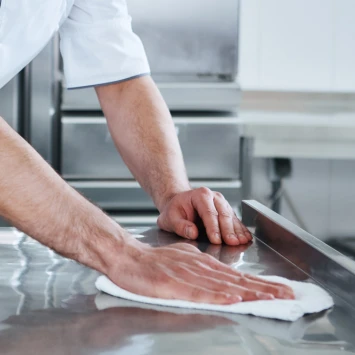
[60,332]
[225,253]
[293,249]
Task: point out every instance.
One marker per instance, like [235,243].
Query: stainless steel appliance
[192,48]
[194,61]
[50,304]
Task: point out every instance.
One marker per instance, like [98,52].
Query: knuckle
[221,296]
[219,195]
[279,291]
[169,214]
[243,281]
[209,258]
[188,247]
[163,278]
[210,261]
[251,294]
[223,285]
[205,191]
[199,264]
[225,214]
[181,270]
[210,212]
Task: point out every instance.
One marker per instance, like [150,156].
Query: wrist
[105,246]
[122,260]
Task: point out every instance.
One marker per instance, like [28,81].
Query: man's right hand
[77,229]
[181,271]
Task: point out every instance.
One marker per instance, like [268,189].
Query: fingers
[186,246]
[206,272]
[204,204]
[221,282]
[240,232]
[245,229]
[183,290]
[226,221]
[232,230]
[259,289]
[277,289]
[215,212]
[288,291]
[219,219]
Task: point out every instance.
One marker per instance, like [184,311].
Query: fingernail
[265,296]
[188,232]
[234,238]
[234,298]
[217,237]
[242,238]
[284,295]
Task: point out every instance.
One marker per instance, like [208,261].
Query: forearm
[143,131]
[37,201]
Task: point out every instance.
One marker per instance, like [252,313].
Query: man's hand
[181,271]
[180,213]
[150,148]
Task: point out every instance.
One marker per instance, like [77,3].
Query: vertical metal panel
[184,37]
[322,263]
[9,103]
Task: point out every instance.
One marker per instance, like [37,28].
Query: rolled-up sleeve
[98,44]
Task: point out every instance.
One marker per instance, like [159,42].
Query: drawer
[128,195]
[210,147]
[178,96]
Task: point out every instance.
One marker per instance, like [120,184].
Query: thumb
[178,225]
[185,228]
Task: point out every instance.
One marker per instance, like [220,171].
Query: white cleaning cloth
[310,298]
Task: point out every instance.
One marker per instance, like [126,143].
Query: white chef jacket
[96,39]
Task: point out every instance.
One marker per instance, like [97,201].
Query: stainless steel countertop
[49,305]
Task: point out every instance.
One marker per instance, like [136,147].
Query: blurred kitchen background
[262,94]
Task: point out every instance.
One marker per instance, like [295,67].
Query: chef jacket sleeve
[98,45]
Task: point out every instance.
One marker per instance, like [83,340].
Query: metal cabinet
[129,196]
[210,147]
[193,55]
[202,95]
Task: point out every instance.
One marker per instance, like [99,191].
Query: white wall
[322,191]
[297,45]
[304,45]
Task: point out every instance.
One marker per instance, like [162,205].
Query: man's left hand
[181,212]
